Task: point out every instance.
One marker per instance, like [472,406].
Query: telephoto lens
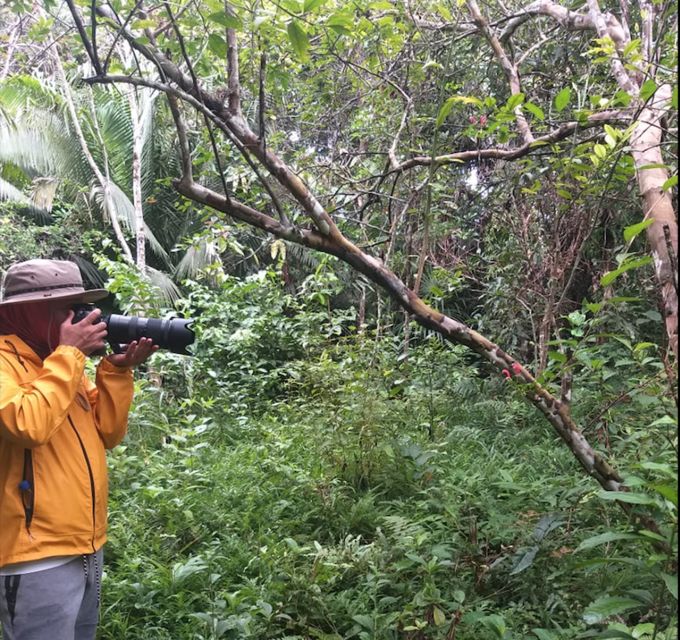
[173,334]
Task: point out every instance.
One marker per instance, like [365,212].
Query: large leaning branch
[328,239]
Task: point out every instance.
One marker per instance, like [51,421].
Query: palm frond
[124,212]
[9,192]
[169,291]
[198,256]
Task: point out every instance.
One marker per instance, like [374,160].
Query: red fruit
[506,373]
[517,368]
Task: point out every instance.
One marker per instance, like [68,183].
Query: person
[55,425]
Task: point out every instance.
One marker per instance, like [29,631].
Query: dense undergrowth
[300,479]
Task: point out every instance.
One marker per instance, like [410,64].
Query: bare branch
[508,67]
[83,35]
[233,82]
[607,28]
[563,131]
[185,151]
[392,152]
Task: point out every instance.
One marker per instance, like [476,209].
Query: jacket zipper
[89,471]
[27,490]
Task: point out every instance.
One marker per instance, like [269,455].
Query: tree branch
[498,153]
[233,82]
[508,67]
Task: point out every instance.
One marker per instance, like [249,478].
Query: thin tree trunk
[137,144]
[104,182]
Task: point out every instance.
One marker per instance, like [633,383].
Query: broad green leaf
[633,230]
[608,278]
[627,496]
[298,38]
[535,110]
[143,24]
[226,20]
[543,634]
[364,620]
[647,89]
[600,151]
[439,616]
[611,131]
[217,45]
[668,491]
[604,538]
[665,469]
[341,22]
[448,105]
[671,583]
[603,608]
[670,183]
[514,101]
[293,6]
[444,12]
[633,45]
[495,623]
[623,98]
[562,99]
[665,420]
[310,5]
[654,165]
[444,111]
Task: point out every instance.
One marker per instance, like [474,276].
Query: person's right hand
[87,335]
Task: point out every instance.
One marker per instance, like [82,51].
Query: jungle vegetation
[430,247]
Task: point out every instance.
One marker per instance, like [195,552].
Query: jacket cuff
[106,365]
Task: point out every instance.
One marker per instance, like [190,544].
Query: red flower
[473,119]
[506,373]
[482,121]
[517,368]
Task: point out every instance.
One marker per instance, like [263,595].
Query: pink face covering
[33,323]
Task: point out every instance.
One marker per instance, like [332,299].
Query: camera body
[174,334]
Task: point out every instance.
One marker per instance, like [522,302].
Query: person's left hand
[135,353]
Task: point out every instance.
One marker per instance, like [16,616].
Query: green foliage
[305,477]
[297,480]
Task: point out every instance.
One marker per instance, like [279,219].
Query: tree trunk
[137,144]
[658,206]
[104,181]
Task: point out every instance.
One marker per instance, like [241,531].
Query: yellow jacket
[54,428]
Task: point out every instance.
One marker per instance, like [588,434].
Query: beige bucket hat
[41,280]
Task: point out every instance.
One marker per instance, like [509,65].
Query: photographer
[55,425]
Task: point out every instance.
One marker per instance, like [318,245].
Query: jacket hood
[16,347]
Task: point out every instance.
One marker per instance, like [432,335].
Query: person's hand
[135,353]
[88,335]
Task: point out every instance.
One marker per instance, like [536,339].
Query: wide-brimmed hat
[42,280]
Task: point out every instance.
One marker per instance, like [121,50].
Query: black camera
[174,334]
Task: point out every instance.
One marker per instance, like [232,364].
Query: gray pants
[55,604]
